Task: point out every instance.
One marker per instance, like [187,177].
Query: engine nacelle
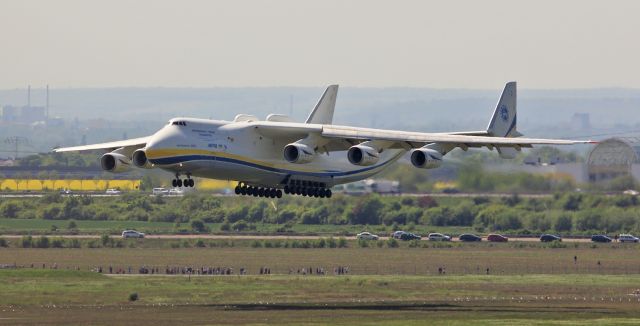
[363,155]
[507,152]
[140,160]
[299,153]
[115,162]
[426,158]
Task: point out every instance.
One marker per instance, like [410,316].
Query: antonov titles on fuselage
[279,155]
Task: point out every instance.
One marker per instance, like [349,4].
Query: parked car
[550,237]
[628,238]
[406,236]
[397,234]
[176,192]
[497,238]
[160,191]
[600,238]
[439,237]
[113,192]
[132,234]
[468,237]
[366,236]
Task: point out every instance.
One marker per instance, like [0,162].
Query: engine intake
[140,160]
[115,162]
[426,158]
[299,153]
[363,155]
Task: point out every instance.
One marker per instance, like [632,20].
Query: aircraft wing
[110,146]
[418,139]
[343,137]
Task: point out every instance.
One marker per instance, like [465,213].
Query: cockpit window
[179,123]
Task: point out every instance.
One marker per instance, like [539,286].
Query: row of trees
[570,212]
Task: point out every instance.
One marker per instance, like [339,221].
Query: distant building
[10,113]
[25,114]
[31,114]
[581,121]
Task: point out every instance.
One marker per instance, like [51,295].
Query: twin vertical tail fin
[323,112]
[503,121]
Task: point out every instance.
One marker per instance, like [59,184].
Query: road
[269,237]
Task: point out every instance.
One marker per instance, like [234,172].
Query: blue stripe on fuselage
[187,158]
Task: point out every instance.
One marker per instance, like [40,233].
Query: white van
[627,238]
[160,191]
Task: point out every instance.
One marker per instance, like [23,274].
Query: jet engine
[508,152]
[299,153]
[363,155]
[140,160]
[115,162]
[426,158]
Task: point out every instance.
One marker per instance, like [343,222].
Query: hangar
[614,157]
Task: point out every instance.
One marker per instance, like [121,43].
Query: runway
[275,237]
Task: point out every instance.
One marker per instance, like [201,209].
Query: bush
[4,243]
[105,240]
[75,243]
[72,225]
[199,226]
[27,242]
[133,296]
[240,225]
[363,243]
[342,243]
[57,243]
[256,244]
[226,226]
[392,243]
[200,243]
[43,242]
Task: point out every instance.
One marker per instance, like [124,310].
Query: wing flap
[331,131]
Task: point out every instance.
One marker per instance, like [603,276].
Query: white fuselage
[237,151]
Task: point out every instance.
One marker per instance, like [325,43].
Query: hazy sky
[443,44]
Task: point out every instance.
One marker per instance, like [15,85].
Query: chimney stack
[47,108]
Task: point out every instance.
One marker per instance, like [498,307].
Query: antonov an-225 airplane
[279,155]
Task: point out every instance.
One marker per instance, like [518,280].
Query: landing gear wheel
[328,193]
[179,182]
[237,190]
[279,193]
[174,183]
[243,190]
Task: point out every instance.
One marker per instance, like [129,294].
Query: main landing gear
[245,190]
[188,182]
[307,189]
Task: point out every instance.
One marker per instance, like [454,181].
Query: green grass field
[530,285]
[58,296]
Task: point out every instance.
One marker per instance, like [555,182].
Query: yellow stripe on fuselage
[173,152]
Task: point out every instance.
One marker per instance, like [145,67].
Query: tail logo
[504,113]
